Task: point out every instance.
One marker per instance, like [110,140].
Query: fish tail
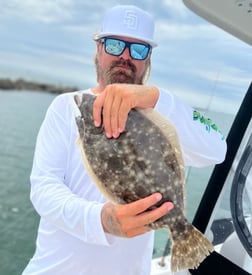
[190,250]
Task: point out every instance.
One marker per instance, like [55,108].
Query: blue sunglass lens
[114,46]
[139,51]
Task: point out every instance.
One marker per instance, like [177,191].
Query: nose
[126,53]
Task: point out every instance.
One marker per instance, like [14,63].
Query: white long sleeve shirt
[71,240]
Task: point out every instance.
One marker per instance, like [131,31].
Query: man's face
[120,69]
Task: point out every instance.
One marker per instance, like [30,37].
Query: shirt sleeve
[201,141]
[50,195]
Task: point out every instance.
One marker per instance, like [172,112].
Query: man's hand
[131,220]
[113,105]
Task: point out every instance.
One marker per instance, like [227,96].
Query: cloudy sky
[51,41]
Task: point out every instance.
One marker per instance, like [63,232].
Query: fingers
[111,110]
[115,102]
[149,217]
[143,217]
[97,109]
[123,116]
[142,205]
[112,106]
[139,224]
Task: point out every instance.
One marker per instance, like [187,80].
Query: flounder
[145,159]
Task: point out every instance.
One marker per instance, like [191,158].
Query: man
[79,231]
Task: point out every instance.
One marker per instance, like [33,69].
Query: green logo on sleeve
[209,124]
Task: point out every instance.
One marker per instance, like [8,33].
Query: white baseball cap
[129,21]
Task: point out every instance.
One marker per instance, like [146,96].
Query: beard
[121,71]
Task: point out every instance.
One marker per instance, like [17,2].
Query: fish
[146,158]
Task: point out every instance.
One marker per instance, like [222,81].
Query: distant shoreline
[21,84]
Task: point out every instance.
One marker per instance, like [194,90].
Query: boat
[227,225]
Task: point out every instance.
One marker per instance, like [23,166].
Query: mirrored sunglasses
[116,47]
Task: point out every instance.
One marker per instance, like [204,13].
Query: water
[21,114]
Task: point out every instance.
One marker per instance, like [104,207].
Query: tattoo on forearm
[110,222]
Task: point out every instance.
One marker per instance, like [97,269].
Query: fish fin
[76,101]
[92,174]
[190,251]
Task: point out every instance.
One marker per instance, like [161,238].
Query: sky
[51,41]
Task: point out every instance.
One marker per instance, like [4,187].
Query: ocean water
[21,113]
[20,116]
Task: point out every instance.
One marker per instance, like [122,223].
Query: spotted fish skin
[145,159]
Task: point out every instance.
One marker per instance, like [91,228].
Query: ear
[99,46]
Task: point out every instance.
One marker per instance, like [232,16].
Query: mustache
[126,63]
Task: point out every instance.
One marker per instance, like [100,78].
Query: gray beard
[116,75]
[121,76]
